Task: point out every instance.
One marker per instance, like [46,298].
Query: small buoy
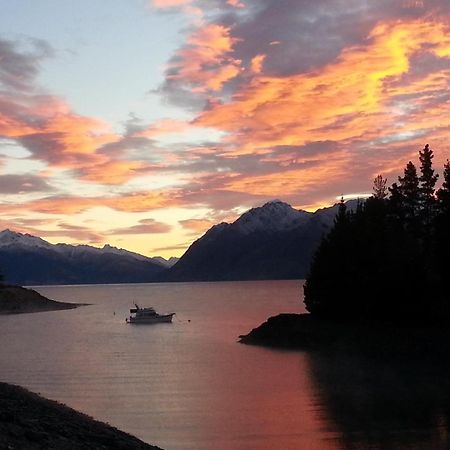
[189,320]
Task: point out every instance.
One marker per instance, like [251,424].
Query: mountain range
[274,241]
[30,260]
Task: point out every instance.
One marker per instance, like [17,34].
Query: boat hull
[166,318]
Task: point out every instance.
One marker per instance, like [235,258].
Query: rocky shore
[28,421]
[379,339]
[16,300]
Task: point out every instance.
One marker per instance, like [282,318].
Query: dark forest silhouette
[388,259]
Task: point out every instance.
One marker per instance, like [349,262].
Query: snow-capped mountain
[274,216]
[12,238]
[25,240]
[272,241]
[27,259]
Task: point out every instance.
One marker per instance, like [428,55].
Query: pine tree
[409,188]
[379,187]
[442,240]
[443,194]
[341,216]
[427,183]
[379,262]
[396,201]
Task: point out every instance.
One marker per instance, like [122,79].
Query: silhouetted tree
[379,187]
[427,184]
[342,216]
[409,187]
[396,203]
[376,262]
[442,238]
[443,194]
[324,277]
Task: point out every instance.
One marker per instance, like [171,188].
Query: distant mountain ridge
[274,241]
[30,260]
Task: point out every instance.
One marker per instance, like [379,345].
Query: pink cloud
[205,62]
[145,226]
[164,4]
[236,3]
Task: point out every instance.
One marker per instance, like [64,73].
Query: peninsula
[17,300]
[378,281]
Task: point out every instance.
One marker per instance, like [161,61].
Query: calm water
[189,385]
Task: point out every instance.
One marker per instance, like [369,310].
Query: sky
[142,123]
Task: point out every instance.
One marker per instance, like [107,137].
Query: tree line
[390,257]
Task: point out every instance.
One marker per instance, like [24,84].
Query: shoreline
[20,300]
[30,421]
[374,339]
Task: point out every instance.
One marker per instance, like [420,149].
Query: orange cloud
[256,63]
[347,99]
[164,126]
[112,172]
[290,181]
[54,134]
[145,226]
[197,226]
[236,3]
[164,4]
[205,63]
[68,205]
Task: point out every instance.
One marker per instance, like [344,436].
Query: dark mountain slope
[29,260]
[274,241]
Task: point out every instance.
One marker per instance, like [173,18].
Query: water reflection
[375,405]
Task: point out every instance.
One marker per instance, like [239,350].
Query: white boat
[148,315]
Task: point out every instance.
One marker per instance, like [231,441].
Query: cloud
[306,100]
[163,4]
[20,62]
[204,63]
[49,229]
[76,232]
[162,127]
[20,184]
[347,99]
[197,226]
[50,130]
[145,226]
[180,246]
[256,63]
[72,204]
[321,86]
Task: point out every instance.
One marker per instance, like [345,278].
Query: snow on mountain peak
[123,252]
[272,216]
[15,239]
[8,237]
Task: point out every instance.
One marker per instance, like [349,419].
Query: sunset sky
[142,123]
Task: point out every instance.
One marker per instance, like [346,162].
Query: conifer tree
[409,188]
[382,260]
[427,184]
[341,216]
[443,194]
[396,201]
[379,187]
[442,239]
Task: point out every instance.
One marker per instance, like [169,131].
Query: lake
[190,386]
